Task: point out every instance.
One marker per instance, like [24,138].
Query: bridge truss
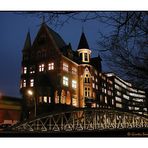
[83,120]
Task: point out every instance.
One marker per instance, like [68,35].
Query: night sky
[13,31]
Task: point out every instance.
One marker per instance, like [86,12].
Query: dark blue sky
[13,30]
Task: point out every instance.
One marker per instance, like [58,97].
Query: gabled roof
[57,38]
[83,42]
[27,44]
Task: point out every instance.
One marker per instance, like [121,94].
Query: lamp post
[30,93]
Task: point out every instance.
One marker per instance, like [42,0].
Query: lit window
[97,87]
[87,92]
[112,101]
[105,99]
[25,70]
[45,99]
[87,78]
[94,94]
[31,82]
[125,96]
[118,93]
[41,67]
[65,81]
[118,99]
[40,99]
[92,77]
[32,70]
[130,108]
[93,85]
[74,70]
[74,84]
[96,72]
[49,99]
[65,67]
[74,101]
[51,66]
[109,92]
[96,80]
[118,105]
[24,83]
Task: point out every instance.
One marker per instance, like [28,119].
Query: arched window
[87,78]
[68,98]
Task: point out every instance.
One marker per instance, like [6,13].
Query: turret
[83,49]
[27,44]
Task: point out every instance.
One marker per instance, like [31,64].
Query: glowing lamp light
[30,92]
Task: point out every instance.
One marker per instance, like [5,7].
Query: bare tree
[125,47]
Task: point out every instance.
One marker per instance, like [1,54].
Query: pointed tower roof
[83,42]
[27,44]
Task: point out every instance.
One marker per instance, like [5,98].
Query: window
[118,93]
[74,84]
[112,101]
[81,55]
[31,82]
[45,99]
[93,85]
[32,69]
[24,83]
[87,79]
[85,57]
[51,66]
[49,99]
[109,92]
[87,92]
[125,96]
[97,87]
[41,67]
[65,81]
[74,101]
[65,67]
[118,105]
[74,70]
[96,72]
[96,80]
[105,99]
[25,70]
[118,99]
[40,99]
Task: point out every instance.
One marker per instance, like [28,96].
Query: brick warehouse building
[10,111]
[53,73]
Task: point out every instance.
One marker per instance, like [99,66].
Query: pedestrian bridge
[83,120]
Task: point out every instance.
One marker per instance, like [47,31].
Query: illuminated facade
[53,73]
[119,94]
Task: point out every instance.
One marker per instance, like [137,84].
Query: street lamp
[30,93]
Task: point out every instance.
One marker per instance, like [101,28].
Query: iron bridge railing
[83,120]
